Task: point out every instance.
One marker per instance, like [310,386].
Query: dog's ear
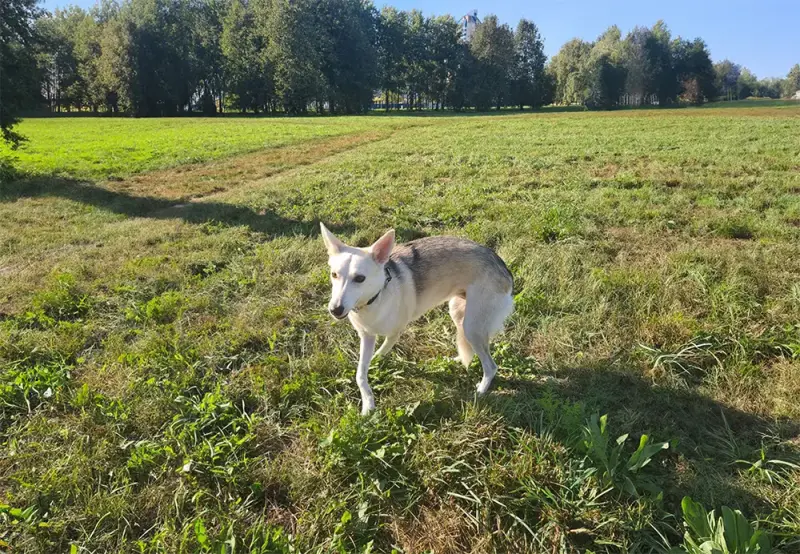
[383,247]
[333,244]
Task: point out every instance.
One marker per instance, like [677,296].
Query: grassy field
[170,380]
[108,148]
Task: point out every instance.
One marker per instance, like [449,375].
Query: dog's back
[443,267]
[474,280]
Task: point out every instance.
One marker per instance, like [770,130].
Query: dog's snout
[337,311]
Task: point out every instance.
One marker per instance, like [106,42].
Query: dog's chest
[373,325]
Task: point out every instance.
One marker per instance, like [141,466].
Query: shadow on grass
[708,439]
[264,221]
[753,103]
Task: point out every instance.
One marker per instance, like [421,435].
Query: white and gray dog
[385,287]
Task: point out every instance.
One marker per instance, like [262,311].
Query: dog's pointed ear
[382,247]
[333,244]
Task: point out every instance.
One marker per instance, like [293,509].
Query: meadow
[170,380]
[108,148]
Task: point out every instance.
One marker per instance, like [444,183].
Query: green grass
[170,380]
[118,147]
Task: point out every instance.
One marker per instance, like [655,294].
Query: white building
[468,24]
[796,95]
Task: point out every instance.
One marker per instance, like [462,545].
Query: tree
[56,58]
[727,75]
[769,88]
[548,86]
[209,71]
[694,70]
[461,77]
[663,80]
[346,35]
[571,69]
[115,67]
[747,84]
[606,83]
[792,82]
[415,59]
[146,63]
[493,48]
[87,52]
[18,70]
[443,40]
[294,54]
[391,43]
[607,74]
[528,69]
[637,81]
[249,77]
[651,76]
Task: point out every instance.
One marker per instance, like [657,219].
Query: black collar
[374,298]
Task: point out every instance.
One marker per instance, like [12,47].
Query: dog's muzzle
[337,312]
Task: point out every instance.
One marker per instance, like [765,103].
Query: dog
[384,287]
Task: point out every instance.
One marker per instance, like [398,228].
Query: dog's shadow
[704,435]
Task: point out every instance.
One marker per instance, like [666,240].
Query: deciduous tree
[18,69]
[528,70]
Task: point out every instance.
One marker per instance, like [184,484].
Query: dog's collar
[374,298]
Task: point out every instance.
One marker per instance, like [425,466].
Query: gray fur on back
[427,257]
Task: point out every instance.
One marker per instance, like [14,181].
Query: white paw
[486,382]
[367,407]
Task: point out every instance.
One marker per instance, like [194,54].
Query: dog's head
[356,273]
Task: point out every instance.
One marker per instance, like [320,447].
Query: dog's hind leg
[477,330]
[458,307]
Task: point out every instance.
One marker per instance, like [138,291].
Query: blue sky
[761,35]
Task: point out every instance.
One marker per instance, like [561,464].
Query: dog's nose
[337,311]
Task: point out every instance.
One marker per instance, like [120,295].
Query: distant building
[468,25]
[796,95]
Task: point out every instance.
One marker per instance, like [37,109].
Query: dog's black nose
[338,311]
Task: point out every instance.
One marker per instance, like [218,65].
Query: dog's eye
[359,278]
[333,275]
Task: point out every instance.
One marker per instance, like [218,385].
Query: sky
[763,36]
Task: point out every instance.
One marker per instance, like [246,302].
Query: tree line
[648,66]
[167,57]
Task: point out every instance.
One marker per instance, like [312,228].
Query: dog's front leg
[387,345]
[364,359]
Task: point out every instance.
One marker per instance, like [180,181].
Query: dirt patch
[192,182]
[608,171]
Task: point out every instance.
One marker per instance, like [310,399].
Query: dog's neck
[374,298]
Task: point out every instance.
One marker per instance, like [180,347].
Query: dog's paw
[484,386]
[367,408]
